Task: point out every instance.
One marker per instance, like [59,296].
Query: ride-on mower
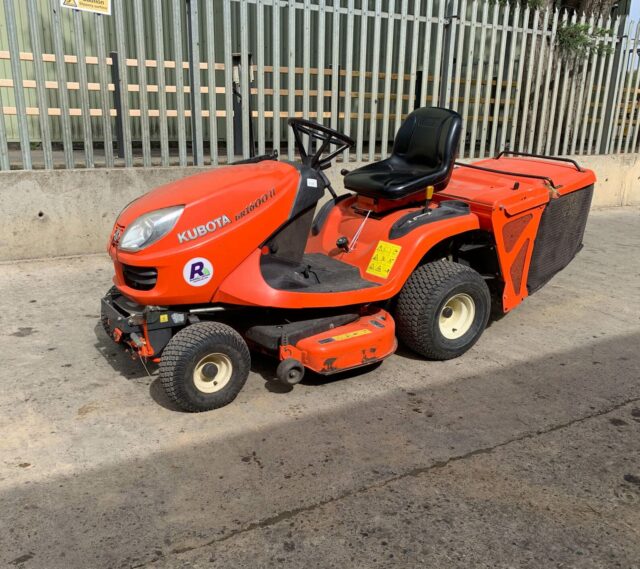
[421,248]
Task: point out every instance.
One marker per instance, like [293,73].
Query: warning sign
[96,6]
[384,257]
[353,334]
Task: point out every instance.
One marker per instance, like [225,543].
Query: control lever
[428,194]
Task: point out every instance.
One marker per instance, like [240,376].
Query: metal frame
[545,157]
[508,173]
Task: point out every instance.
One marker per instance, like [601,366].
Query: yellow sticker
[384,257]
[348,335]
[164,318]
[96,6]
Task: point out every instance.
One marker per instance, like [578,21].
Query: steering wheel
[327,136]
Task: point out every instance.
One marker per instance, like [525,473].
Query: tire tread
[177,355]
[421,295]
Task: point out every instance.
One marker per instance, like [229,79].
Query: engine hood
[229,187]
[228,213]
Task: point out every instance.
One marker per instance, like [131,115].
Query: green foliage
[532,4]
[535,4]
[576,40]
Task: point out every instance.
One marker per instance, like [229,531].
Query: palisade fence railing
[163,82]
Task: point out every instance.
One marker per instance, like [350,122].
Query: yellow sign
[96,6]
[354,334]
[384,257]
[164,318]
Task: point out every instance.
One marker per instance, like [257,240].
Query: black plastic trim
[140,278]
[315,273]
[409,222]
[272,336]
[256,159]
[306,195]
[324,212]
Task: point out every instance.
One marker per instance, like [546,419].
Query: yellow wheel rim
[212,373]
[456,316]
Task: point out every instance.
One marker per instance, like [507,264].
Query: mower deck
[325,345]
[363,341]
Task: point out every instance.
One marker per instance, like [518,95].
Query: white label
[198,271]
[312,183]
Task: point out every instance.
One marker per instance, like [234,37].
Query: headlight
[150,227]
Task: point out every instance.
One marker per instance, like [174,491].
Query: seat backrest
[429,137]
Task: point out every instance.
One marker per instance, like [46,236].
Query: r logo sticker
[198,271]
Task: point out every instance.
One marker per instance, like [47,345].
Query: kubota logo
[202,230]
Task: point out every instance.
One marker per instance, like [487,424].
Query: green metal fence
[87,90]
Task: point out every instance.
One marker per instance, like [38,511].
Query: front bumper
[146,329]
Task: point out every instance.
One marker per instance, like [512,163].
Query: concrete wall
[70,212]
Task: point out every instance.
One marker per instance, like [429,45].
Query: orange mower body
[253,257]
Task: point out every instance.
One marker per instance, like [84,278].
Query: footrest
[315,273]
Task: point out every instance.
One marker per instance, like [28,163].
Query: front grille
[140,278]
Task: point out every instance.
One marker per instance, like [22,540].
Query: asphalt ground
[522,453]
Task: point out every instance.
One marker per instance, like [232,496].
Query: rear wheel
[442,310]
[204,366]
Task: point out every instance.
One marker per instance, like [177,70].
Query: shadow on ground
[196,492]
[129,366]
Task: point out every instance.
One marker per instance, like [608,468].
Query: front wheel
[442,310]
[204,366]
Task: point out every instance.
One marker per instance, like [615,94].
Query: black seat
[423,155]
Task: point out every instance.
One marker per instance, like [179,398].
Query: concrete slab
[72,212]
[493,459]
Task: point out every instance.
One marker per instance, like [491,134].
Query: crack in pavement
[414,472]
